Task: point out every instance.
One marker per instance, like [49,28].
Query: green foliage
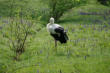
[59,7]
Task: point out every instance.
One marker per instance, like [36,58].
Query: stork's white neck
[51,20]
[51,23]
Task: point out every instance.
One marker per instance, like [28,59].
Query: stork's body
[57,32]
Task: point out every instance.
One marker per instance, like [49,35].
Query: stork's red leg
[55,43]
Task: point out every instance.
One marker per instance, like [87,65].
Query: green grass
[75,16]
[87,51]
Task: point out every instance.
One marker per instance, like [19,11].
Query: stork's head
[51,20]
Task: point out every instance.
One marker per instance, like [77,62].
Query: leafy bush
[58,7]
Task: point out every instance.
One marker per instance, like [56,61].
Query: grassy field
[87,51]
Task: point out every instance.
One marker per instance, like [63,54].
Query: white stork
[57,32]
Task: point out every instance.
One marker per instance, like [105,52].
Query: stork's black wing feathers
[61,36]
[59,30]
